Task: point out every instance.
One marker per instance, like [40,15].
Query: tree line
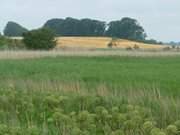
[126,28]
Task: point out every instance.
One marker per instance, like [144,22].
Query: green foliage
[113,73]
[41,39]
[32,101]
[148,126]
[8,43]
[3,41]
[157,131]
[75,27]
[13,29]
[172,130]
[177,124]
[31,114]
[152,41]
[126,28]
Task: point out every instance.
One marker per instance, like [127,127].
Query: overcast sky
[160,18]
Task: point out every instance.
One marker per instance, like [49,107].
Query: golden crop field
[101,42]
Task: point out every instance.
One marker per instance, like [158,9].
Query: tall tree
[70,27]
[126,28]
[13,29]
[88,27]
[74,27]
[55,25]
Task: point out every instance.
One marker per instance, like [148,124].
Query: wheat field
[101,42]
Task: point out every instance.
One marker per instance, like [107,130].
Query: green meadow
[110,95]
[115,73]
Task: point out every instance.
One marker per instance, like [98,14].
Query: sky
[160,18]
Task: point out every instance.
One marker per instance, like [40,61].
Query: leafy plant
[41,39]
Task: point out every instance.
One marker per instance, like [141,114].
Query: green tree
[75,27]
[126,28]
[41,39]
[55,25]
[13,29]
[70,27]
[89,27]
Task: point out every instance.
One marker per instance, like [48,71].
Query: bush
[167,49]
[113,43]
[110,45]
[41,39]
[136,47]
[129,48]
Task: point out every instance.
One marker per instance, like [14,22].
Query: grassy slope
[121,73]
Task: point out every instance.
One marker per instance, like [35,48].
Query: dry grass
[84,53]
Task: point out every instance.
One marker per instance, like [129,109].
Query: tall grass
[25,54]
[122,73]
[90,96]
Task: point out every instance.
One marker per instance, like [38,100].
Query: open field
[96,95]
[125,72]
[99,42]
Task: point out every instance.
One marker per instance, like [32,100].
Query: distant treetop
[13,29]
[75,27]
[125,28]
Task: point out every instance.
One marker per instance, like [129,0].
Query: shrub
[167,48]
[172,130]
[41,39]
[173,47]
[148,126]
[110,45]
[177,124]
[129,48]
[113,43]
[136,47]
